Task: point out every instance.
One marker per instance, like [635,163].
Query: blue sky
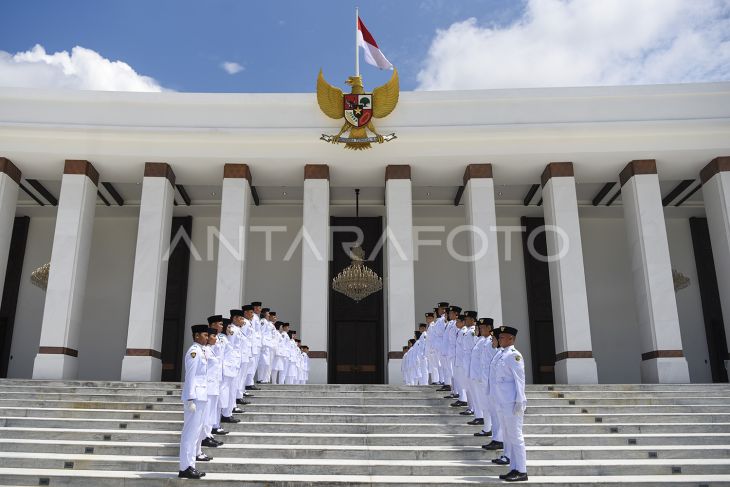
[280,44]
[435,44]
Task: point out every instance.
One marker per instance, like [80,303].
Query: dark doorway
[539,302]
[176,296]
[710,298]
[13,274]
[356,335]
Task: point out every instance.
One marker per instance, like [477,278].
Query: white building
[97,183]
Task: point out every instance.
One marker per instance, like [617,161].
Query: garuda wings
[358,108]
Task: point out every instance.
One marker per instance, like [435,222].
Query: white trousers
[474,400]
[433,366]
[514,441]
[252,366]
[263,371]
[228,396]
[240,382]
[447,372]
[190,436]
[460,383]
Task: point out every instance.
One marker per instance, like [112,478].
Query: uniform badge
[518,357]
[192,354]
[501,329]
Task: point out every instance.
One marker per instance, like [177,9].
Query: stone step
[90,478]
[303,407]
[427,400]
[375,439]
[310,466]
[359,452]
[366,418]
[331,427]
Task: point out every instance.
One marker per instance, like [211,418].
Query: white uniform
[432,355]
[421,360]
[282,357]
[509,391]
[497,429]
[194,397]
[305,368]
[268,347]
[450,352]
[464,342]
[246,346]
[255,349]
[439,333]
[277,360]
[214,356]
[476,365]
[231,368]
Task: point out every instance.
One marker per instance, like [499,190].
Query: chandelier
[357,281]
[39,277]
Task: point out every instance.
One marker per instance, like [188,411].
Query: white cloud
[231,68]
[585,42]
[83,69]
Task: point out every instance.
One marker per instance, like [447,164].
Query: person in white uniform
[462,359]
[213,377]
[511,403]
[256,344]
[497,442]
[476,365]
[277,364]
[486,350]
[231,369]
[194,397]
[421,358]
[439,332]
[432,356]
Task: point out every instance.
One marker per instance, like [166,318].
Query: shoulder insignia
[518,357]
[192,354]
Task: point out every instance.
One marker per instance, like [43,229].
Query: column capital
[76,166]
[7,167]
[717,165]
[639,166]
[317,171]
[237,171]
[159,170]
[556,169]
[397,171]
[477,171]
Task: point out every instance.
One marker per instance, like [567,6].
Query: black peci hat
[470,314]
[508,330]
[255,303]
[236,312]
[247,307]
[486,321]
[455,309]
[199,329]
[215,319]
[443,304]
[429,315]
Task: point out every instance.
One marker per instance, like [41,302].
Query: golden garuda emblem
[358,108]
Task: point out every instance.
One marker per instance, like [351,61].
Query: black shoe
[483,433]
[209,442]
[503,460]
[254,388]
[229,419]
[189,473]
[444,388]
[198,472]
[505,475]
[203,458]
[468,412]
[219,431]
[246,394]
[259,382]
[217,441]
[494,445]
[458,404]
[435,384]
[237,410]
[517,477]
[476,422]
[241,401]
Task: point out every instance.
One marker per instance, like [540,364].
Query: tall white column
[9,180]
[662,360]
[142,359]
[484,251]
[315,268]
[574,362]
[399,283]
[716,194]
[62,313]
[233,239]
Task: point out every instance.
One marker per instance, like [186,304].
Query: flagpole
[357,47]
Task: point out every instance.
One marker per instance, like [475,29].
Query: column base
[143,368]
[55,366]
[665,370]
[317,371]
[576,371]
[394,373]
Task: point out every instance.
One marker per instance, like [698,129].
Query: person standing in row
[194,397]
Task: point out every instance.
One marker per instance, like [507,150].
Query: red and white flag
[373,54]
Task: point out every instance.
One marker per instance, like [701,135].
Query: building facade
[595,220]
